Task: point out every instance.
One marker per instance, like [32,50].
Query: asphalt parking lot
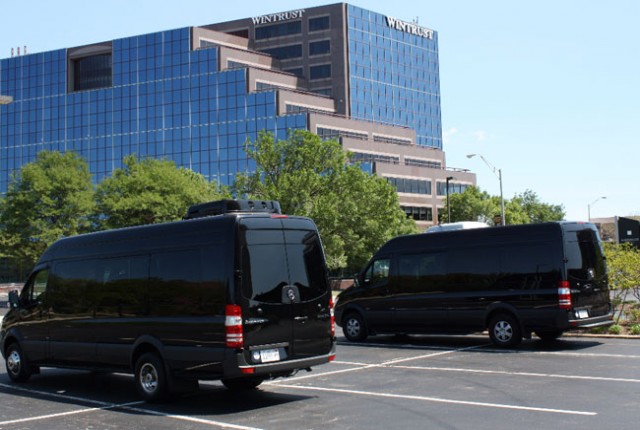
[388,382]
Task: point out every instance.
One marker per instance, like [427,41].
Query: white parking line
[106,406]
[438,400]
[527,374]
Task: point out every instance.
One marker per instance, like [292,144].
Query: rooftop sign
[277,17]
[409,27]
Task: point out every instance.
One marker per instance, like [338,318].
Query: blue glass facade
[394,75]
[165,101]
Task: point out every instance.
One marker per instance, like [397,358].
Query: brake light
[279,216]
[233,326]
[564,295]
[333,318]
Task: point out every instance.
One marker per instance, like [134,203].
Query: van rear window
[273,259]
[585,258]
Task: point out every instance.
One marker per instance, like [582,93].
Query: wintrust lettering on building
[409,27]
[277,17]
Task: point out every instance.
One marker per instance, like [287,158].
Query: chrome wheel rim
[14,362]
[353,327]
[148,378]
[503,331]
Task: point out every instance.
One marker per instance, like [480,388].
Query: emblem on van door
[291,294]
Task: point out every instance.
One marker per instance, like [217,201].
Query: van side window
[33,291]
[421,272]
[377,272]
[187,282]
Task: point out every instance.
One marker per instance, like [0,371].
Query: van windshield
[273,259]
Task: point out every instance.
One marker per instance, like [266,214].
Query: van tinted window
[187,282]
[585,259]
[421,272]
[270,265]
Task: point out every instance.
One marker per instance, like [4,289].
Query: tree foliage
[150,191]
[623,261]
[50,198]
[355,212]
[476,205]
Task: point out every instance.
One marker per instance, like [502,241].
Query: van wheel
[354,328]
[549,335]
[17,364]
[505,331]
[151,379]
[241,384]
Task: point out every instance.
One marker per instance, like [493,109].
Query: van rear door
[586,271]
[285,290]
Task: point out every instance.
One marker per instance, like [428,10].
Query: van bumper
[283,367]
[587,323]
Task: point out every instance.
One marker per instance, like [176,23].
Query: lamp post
[591,204]
[498,173]
[448,206]
[5,100]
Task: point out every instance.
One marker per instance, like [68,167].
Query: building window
[331,133]
[279,30]
[297,71]
[285,52]
[323,91]
[371,158]
[322,71]
[320,23]
[453,188]
[411,186]
[320,48]
[423,163]
[418,213]
[394,140]
[92,72]
[240,33]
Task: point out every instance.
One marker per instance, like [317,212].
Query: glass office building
[195,95]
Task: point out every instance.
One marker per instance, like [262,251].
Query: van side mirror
[14,299]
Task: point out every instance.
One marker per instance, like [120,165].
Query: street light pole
[591,204]
[498,173]
[5,100]
[448,206]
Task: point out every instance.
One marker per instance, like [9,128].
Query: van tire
[151,378]
[354,327]
[18,367]
[242,384]
[504,330]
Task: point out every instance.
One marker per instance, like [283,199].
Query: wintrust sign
[409,27]
[277,17]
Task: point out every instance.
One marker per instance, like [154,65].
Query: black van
[544,278]
[241,296]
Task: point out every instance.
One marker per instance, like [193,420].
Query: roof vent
[221,207]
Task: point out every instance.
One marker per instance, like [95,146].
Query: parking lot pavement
[422,382]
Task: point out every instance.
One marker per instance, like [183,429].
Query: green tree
[49,198]
[623,261]
[355,212]
[532,210]
[526,208]
[150,191]
[471,205]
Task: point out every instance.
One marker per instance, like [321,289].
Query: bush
[634,329]
[615,329]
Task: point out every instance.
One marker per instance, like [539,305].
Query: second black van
[241,296]
[544,278]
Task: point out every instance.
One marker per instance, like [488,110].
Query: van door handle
[301,318]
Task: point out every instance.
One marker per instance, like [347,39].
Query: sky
[548,92]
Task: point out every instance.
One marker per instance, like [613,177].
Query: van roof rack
[221,207]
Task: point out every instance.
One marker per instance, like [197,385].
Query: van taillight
[564,295]
[333,318]
[233,326]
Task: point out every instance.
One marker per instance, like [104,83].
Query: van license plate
[583,314]
[269,355]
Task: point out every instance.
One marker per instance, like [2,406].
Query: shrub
[635,329]
[615,329]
